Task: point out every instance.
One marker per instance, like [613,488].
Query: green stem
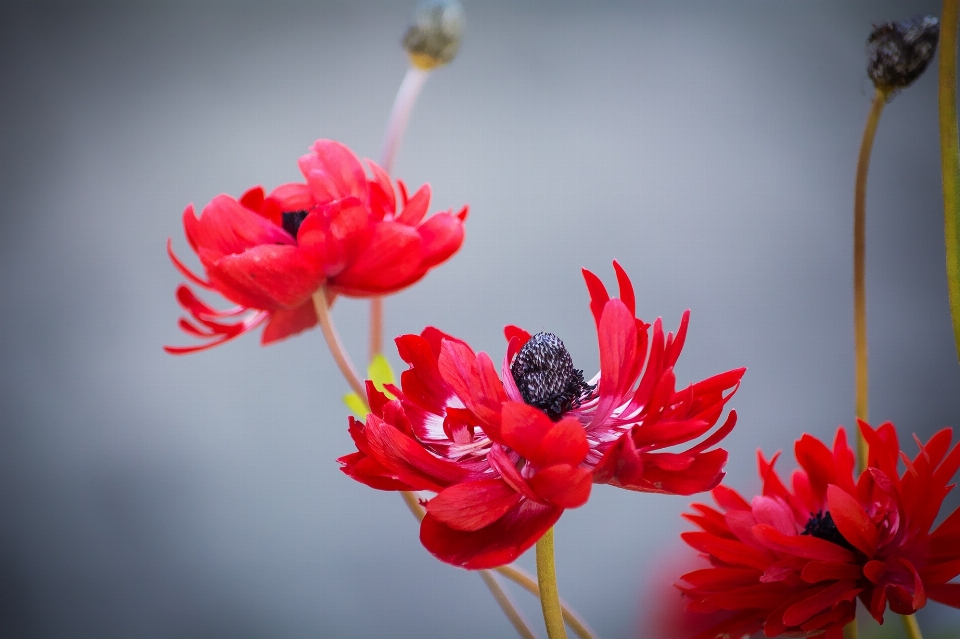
[950,157]
[860,268]
[528,583]
[850,630]
[911,626]
[549,594]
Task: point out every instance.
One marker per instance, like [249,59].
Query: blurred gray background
[708,146]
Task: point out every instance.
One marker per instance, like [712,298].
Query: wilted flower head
[507,454]
[899,52]
[434,37]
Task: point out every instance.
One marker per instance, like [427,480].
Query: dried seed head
[434,37]
[898,52]
[546,378]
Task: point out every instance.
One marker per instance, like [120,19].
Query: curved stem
[333,342]
[950,157]
[403,105]
[410,499]
[850,630]
[503,599]
[911,626]
[407,96]
[525,581]
[549,594]
[859,268]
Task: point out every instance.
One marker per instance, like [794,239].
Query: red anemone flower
[794,560]
[342,230]
[507,454]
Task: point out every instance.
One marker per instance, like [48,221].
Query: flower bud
[434,37]
[898,52]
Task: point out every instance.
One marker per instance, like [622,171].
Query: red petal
[617,336]
[874,570]
[266,277]
[369,472]
[226,228]
[940,572]
[621,465]
[495,545]
[564,443]
[473,505]
[815,458]
[948,594]
[801,545]
[474,380]
[286,322]
[816,571]
[775,513]
[503,464]
[598,295]
[704,474]
[852,521]
[382,181]
[441,237]
[523,428]
[563,485]
[822,599]
[333,172]
[409,460]
[626,288]
[416,207]
[422,382]
[729,499]
[180,266]
[336,234]
[292,196]
[392,255]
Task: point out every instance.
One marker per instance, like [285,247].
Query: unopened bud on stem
[898,52]
[434,37]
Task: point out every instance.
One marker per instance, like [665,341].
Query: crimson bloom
[794,560]
[507,454]
[341,230]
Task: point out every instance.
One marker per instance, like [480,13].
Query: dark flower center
[821,526]
[292,221]
[546,378]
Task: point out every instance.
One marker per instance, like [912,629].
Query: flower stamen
[292,221]
[822,526]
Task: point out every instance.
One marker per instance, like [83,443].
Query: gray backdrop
[708,146]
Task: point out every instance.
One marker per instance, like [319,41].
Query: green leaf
[380,373]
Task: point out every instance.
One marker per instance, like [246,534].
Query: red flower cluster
[794,561]
[342,230]
[507,454]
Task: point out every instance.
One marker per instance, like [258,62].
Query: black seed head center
[822,526]
[292,221]
[546,378]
